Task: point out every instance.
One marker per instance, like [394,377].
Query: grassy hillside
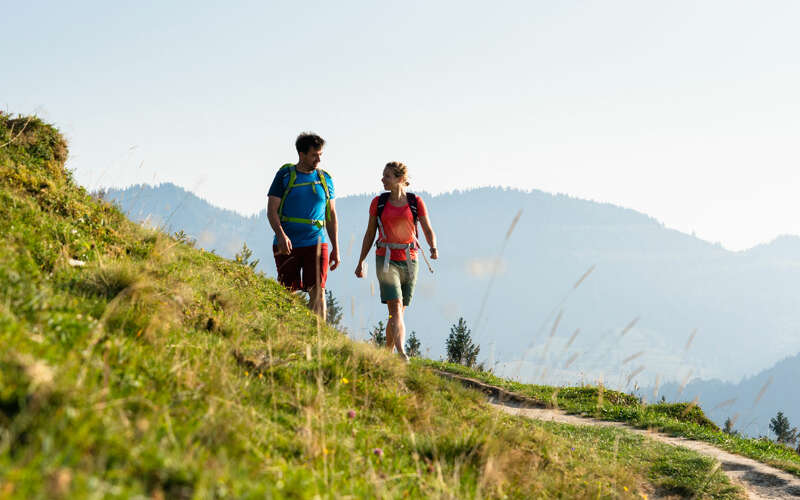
[134,365]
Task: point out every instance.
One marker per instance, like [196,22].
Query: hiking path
[759,481]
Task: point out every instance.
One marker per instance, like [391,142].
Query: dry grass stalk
[689,342]
[24,126]
[585,275]
[632,357]
[629,326]
[727,402]
[570,360]
[690,406]
[656,386]
[633,374]
[493,275]
[762,391]
[685,381]
[572,339]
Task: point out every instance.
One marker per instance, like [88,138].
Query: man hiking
[302,212]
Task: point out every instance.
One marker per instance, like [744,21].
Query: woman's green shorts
[398,281]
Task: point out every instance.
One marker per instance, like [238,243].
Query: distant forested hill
[744,306]
[751,402]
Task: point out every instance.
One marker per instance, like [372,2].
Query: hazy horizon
[464,190]
[685,111]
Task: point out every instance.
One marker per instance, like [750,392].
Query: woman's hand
[360,269]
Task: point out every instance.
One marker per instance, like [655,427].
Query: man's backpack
[292,184]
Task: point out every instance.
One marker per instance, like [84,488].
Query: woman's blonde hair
[399,170]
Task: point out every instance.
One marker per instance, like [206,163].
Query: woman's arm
[369,237]
[430,236]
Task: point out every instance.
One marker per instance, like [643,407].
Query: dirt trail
[759,481]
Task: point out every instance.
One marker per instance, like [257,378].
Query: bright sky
[687,111]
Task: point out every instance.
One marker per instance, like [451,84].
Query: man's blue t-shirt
[304,202]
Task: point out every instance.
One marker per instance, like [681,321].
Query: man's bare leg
[316,301]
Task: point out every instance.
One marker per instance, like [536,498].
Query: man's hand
[334,259]
[360,269]
[284,244]
[434,253]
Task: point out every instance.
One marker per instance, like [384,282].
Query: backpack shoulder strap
[321,173]
[382,199]
[322,180]
[412,204]
[292,176]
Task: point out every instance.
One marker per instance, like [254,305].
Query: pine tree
[460,348]
[413,345]
[244,255]
[333,310]
[378,334]
[728,428]
[782,428]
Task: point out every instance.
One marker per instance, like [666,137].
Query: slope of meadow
[135,365]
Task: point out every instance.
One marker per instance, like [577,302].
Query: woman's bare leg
[395,327]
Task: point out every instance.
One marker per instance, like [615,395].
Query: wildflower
[351,414]
[345,381]
[325,451]
[625,488]
[378,452]
[246,373]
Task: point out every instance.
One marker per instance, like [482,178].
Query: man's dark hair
[308,140]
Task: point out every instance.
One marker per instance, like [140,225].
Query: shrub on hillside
[460,348]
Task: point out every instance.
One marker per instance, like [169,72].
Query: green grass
[676,419]
[159,370]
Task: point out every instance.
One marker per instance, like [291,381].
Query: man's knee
[316,293]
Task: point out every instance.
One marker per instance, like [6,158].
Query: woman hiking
[394,215]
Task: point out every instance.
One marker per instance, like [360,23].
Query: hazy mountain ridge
[673,282]
[741,402]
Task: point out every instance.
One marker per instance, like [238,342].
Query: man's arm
[332,227]
[284,243]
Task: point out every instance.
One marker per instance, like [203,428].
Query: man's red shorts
[302,260]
